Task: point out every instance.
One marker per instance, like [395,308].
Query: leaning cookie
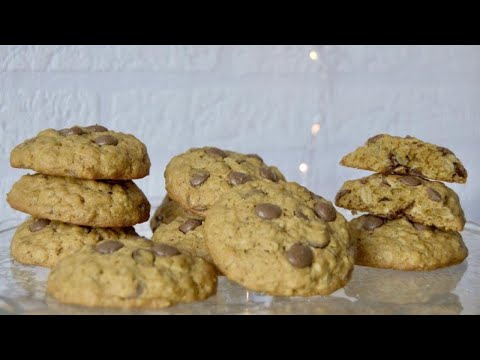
[91,152]
[392,196]
[80,202]
[131,273]
[168,211]
[408,155]
[186,234]
[197,178]
[403,245]
[43,242]
[280,239]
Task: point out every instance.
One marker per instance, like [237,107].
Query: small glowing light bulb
[313,55]
[303,167]
[315,128]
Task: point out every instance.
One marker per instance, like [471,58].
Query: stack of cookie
[260,231]
[414,221]
[82,193]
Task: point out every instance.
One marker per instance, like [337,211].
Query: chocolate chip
[108,247]
[409,137]
[363,181]
[165,250]
[268,211]
[410,180]
[385,182]
[97,128]
[460,170]
[38,224]
[106,140]
[157,220]
[434,195]
[300,214]
[300,255]
[267,173]
[238,178]
[189,225]
[340,194]
[216,152]
[143,256]
[72,131]
[444,150]
[371,222]
[415,172]
[325,211]
[374,138]
[316,245]
[143,206]
[421,227]
[199,178]
[255,156]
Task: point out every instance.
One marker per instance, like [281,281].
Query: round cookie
[186,234]
[168,211]
[80,202]
[131,273]
[197,178]
[280,239]
[43,242]
[392,196]
[403,245]
[91,152]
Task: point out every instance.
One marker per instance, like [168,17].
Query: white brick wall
[250,98]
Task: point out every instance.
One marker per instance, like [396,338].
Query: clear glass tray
[454,290]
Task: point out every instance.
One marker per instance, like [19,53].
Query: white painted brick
[431,112]
[267,117]
[276,59]
[24,113]
[408,58]
[108,58]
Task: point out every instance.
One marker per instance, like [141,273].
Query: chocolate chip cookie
[80,202]
[168,211]
[131,273]
[197,178]
[91,152]
[280,239]
[403,245]
[407,156]
[422,201]
[43,242]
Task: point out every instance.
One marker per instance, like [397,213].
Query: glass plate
[454,290]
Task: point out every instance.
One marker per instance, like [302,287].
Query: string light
[313,55]
[303,167]
[315,128]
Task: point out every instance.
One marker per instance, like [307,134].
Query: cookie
[131,273]
[80,202]
[186,234]
[43,242]
[403,245]
[391,196]
[197,178]
[91,152]
[168,211]
[280,239]
[407,156]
